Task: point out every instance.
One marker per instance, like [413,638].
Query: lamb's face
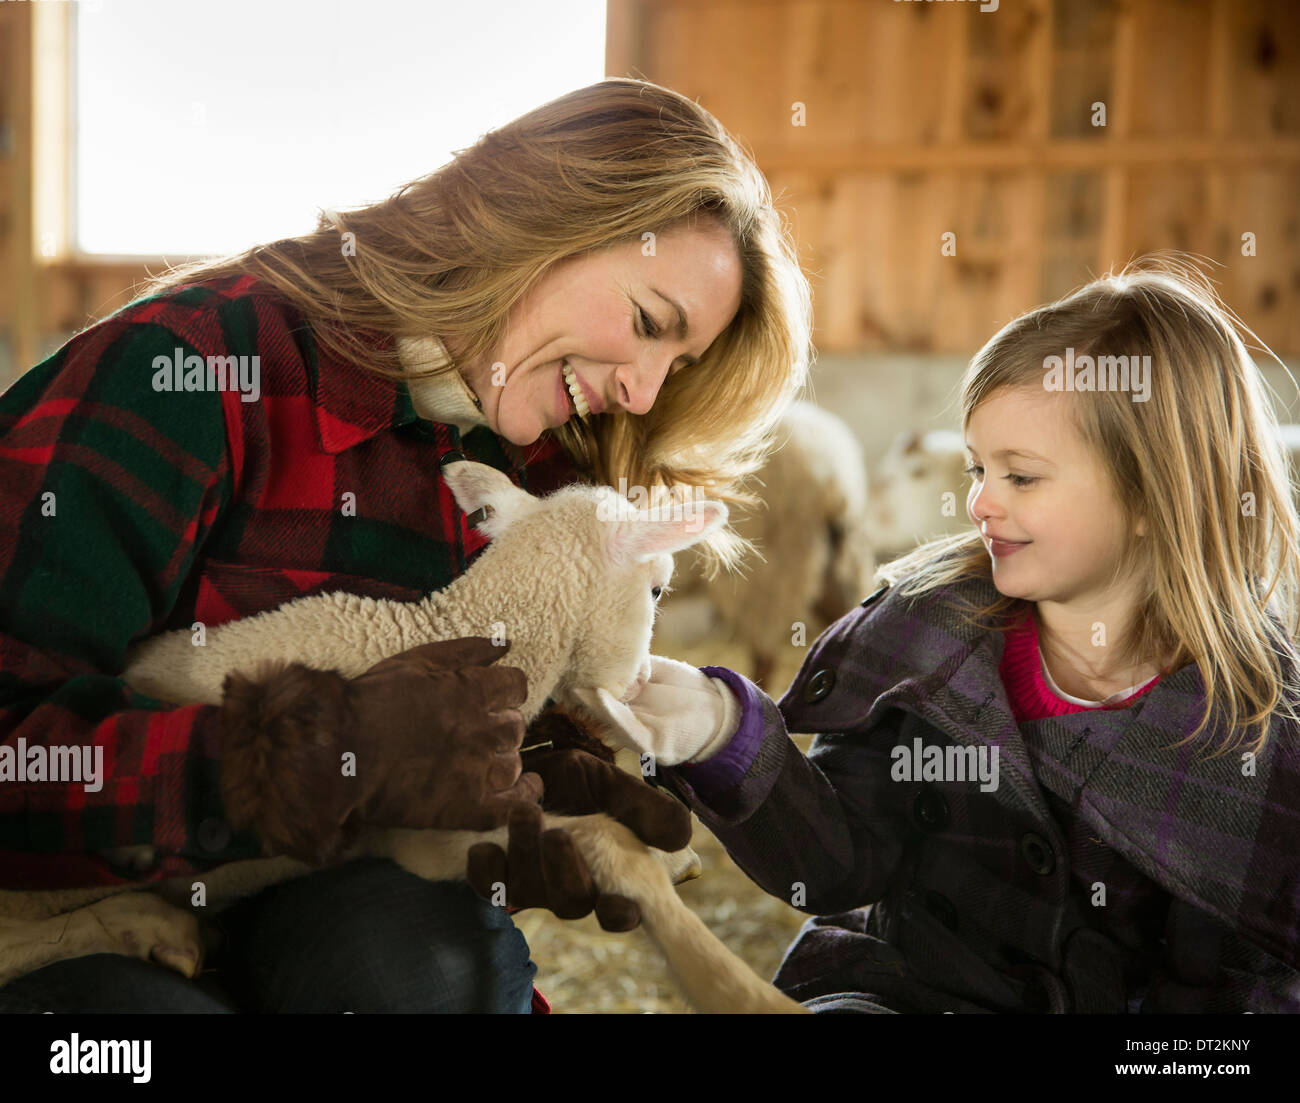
[613,651]
[621,563]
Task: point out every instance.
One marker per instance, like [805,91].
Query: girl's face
[1037,486]
[612,317]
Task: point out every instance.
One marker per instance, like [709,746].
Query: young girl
[1056,764]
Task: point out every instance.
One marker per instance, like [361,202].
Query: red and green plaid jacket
[126,511]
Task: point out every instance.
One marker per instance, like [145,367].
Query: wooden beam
[18,20]
[625,38]
[1119,126]
[52,130]
[1050,156]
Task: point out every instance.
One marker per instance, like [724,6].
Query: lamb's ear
[668,529]
[477,486]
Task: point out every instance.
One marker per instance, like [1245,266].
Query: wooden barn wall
[922,119]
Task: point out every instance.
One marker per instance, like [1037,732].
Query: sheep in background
[1289,437]
[814,560]
[572,580]
[918,491]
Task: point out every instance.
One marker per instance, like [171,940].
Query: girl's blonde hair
[1200,462]
[449,254]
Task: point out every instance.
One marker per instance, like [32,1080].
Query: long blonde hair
[1200,462]
[449,254]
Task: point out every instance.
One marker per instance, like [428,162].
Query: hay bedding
[584,969]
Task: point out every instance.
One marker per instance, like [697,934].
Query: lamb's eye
[656,591]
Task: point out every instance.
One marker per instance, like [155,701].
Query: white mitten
[680,715]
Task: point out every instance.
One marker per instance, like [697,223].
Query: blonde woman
[1057,756]
[600,289]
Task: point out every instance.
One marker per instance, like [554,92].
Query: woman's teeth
[579,399]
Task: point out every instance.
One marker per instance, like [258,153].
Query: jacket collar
[352,405]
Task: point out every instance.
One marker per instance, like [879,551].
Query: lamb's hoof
[683,865]
[144,926]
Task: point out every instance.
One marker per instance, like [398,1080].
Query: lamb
[813,541]
[918,490]
[597,551]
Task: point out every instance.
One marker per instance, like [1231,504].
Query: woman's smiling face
[613,317]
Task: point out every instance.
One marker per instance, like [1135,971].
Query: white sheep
[814,560]
[572,581]
[918,490]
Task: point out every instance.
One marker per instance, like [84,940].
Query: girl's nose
[981,505]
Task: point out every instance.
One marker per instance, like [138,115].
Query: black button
[1038,853]
[818,686]
[214,834]
[930,810]
[450,457]
[942,909]
[873,597]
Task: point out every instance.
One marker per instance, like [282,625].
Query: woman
[600,289]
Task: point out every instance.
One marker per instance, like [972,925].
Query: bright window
[206,128]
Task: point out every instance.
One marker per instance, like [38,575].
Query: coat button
[930,810]
[1038,853]
[942,909]
[214,834]
[450,457]
[819,685]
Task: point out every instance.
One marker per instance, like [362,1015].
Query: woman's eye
[648,323]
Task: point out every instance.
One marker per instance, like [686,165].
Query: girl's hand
[679,715]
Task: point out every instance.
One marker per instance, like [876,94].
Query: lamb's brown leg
[136,924]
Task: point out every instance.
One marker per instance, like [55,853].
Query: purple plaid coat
[1105,873]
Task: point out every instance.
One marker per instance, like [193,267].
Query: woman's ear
[476,486]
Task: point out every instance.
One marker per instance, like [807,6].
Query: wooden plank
[52,124]
[1113,239]
[21,256]
[624,37]
[1168,97]
[1064,155]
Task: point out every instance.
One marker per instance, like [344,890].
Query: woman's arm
[108,489]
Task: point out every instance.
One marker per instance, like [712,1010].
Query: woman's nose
[637,385]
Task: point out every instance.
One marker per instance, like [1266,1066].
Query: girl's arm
[820,832]
[1207,968]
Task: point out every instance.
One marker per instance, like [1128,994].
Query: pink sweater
[1029,690]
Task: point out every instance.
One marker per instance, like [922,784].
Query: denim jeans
[362,936]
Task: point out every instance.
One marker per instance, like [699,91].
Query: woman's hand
[427,738]
[679,715]
[545,869]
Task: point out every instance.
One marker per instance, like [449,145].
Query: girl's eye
[1016,480]
[648,323]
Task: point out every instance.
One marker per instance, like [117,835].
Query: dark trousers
[362,936]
